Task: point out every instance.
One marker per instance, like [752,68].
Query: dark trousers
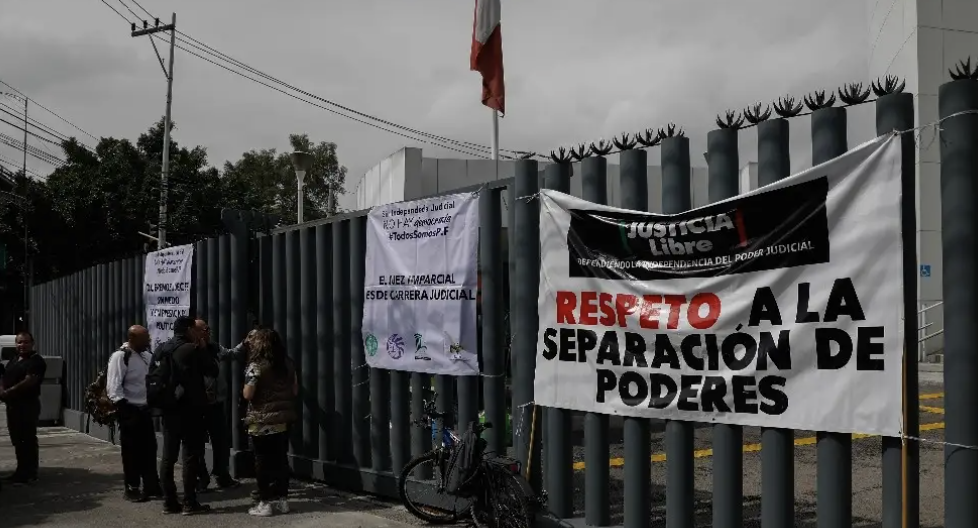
[271,465]
[22,417]
[137,438]
[182,428]
[216,424]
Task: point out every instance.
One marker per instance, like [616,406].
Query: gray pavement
[867,472]
[80,485]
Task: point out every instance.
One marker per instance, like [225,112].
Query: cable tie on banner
[529,197]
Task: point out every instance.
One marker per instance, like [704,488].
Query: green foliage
[92,209]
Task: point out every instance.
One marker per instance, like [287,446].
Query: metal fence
[307,282]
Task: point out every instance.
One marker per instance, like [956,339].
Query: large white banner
[420,286]
[166,291]
[778,308]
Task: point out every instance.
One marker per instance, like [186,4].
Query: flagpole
[494,146]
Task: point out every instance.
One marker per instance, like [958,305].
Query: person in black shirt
[20,389]
[185,423]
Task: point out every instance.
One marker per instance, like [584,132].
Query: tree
[92,208]
[265,178]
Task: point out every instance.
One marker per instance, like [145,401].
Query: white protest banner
[420,286]
[776,308]
[166,289]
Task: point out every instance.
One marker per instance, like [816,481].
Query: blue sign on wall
[925,270]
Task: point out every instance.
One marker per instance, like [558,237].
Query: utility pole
[164,184]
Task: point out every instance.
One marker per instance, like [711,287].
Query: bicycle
[495,495]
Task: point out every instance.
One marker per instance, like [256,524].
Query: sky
[576,70]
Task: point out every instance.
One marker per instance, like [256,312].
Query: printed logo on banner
[370,345]
[420,349]
[781,228]
[395,346]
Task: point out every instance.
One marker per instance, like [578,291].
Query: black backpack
[161,390]
[465,462]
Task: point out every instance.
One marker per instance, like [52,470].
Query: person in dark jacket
[184,424]
[216,416]
[20,390]
[270,388]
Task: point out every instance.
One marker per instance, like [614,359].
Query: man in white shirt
[126,387]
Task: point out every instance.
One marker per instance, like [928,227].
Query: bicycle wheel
[511,500]
[420,488]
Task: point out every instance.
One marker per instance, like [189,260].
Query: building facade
[920,40]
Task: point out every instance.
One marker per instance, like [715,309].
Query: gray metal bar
[421,441]
[200,279]
[959,215]
[115,285]
[324,339]
[493,351]
[139,308]
[279,272]
[101,339]
[223,334]
[778,445]
[400,420]
[676,198]
[361,374]
[265,281]
[307,322]
[213,249]
[638,431]
[240,301]
[293,329]
[510,201]
[896,112]
[728,454]
[343,388]
[834,480]
[559,451]
[527,241]
[125,314]
[597,501]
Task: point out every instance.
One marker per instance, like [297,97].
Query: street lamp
[301,162]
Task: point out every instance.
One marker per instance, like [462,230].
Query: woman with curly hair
[270,388]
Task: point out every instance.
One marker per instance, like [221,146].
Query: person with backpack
[175,386]
[270,388]
[20,390]
[125,387]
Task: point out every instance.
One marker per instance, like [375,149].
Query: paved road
[867,473]
[80,486]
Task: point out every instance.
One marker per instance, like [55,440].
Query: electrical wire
[32,151]
[48,110]
[18,114]
[17,167]
[464,147]
[29,133]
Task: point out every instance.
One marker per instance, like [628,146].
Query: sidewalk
[80,486]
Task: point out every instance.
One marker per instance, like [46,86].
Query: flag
[487,53]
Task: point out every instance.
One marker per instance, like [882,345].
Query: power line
[42,138]
[35,152]
[464,147]
[48,110]
[18,113]
[16,167]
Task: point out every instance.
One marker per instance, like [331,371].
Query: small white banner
[166,289]
[420,287]
[776,308]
